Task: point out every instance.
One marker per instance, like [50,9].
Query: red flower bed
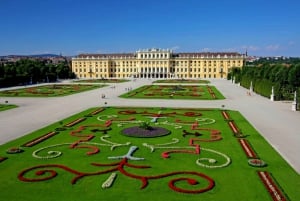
[254,162]
[85,138]
[233,127]
[166,154]
[97,111]
[215,135]
[211,184]
[247,148]
[14,150]
[46,174]
[210,91]
[274,191]
[225,115]
[39,139]
[192,114]
[75,122]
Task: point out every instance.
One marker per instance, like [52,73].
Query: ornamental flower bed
[39,139]
[92,153]
[97,111]
[232,125]
[210,91]
[175,91]
[14,150]
[237,133]
[274,191]
[136,131]
[225,115]
[75,122]
[46,174]
[257,162]
[110,180]
[250,153]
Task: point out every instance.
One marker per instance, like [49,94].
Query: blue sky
[70,27]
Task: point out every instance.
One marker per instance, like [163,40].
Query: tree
[294,76]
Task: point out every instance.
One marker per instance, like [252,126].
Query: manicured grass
[197,92]
[103,81]
[6,107]
[235,181]
[183,81]
[49,90]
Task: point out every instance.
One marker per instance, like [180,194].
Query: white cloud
[99,51]
[230,49]
[251,48]
[176,47]
[206,49]
[272,47]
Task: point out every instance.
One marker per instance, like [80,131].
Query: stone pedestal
[272,94]
[294,106]
[251,87]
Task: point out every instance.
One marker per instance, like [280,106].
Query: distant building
[156,63]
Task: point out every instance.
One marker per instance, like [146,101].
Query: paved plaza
[278,124]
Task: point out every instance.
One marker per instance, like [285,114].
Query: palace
[156,63]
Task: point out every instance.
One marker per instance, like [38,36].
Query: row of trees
[28,71]
[284,77]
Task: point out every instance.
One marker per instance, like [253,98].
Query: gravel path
[278,124]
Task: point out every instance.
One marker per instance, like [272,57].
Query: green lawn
[70,160]
[183,81]
[197,92]
[103,81]
[49,90]
[6,107]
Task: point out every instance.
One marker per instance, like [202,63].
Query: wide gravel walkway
[274,120]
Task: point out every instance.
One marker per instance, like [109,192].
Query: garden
[118,153]
[194,92]
[183,81]
[6,106]
[49,90]
[103,80]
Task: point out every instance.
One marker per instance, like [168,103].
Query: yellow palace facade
[156,63]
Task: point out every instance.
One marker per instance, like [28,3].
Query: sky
[72,27]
